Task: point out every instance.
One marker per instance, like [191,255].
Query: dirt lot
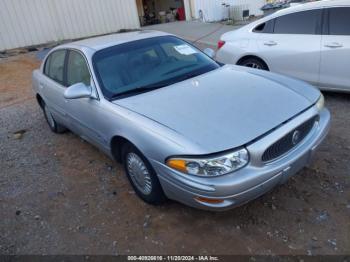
[59,195]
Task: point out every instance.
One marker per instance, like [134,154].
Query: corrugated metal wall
[213,10]
[253,6]
[32,22]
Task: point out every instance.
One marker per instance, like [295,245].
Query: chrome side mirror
[209,52]
[76,91]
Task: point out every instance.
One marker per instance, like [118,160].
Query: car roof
[101,42]
[313,5]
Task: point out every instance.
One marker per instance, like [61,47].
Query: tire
[54,126]
[142,176]
[254,63]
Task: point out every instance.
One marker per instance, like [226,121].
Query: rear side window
[306,22]
[339,21]
[266,27]
[77,69]
[54,66]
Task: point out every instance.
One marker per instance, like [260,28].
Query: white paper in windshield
[185,50]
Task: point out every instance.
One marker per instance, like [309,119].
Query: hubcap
[253,65]
[139,173]
[49,117]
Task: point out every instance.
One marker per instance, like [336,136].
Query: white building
[26,23]
[207,10]
[216,10]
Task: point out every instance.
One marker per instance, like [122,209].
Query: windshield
[148,64]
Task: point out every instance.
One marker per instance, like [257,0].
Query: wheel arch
[116,144]
[40,100]
[245,57]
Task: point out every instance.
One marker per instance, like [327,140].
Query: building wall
[253,6]
[140,11]
[26,23]
[213,10]
[188,9]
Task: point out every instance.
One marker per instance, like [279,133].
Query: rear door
[335,55]
[52,85]
[290,44]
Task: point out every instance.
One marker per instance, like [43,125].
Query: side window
[54,66]
[339,21]
[47,66]
[306,22]
[77,69]
[266,27]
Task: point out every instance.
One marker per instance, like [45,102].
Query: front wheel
[142,177]
[254,63]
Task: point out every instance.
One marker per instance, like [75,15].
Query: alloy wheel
[253,65]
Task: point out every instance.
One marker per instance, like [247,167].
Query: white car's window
[147,64]
[77,69]
[54,66]
[305,22]
[266,27]
[339,21]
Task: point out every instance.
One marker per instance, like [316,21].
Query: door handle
[270,43]
[333,45]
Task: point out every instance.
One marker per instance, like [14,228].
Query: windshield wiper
[147,88]
[138,90]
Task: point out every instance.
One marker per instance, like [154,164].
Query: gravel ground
[60,195]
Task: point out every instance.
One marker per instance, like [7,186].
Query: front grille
[289,141]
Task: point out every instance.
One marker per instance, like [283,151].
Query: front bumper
[253,180]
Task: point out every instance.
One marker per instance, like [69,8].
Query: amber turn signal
[177,164]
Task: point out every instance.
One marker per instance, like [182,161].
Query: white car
[309,41]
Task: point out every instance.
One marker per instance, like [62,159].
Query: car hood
[225,108]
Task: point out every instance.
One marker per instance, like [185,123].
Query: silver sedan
[185,127]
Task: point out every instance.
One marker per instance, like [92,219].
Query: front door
[86,114]
[335,55]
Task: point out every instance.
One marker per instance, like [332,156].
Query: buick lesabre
[185,127]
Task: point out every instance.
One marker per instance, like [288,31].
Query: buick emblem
[296,137]
[195,83]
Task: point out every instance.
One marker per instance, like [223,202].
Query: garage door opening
[160,11]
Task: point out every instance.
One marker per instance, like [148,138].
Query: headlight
[211,166]
[320,103]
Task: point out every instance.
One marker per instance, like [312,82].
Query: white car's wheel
[253,63]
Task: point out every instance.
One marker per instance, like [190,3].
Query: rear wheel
[54,126]
[141,175]
[254,63]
